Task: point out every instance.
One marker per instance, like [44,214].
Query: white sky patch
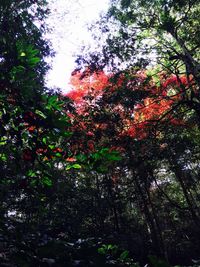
[69,20]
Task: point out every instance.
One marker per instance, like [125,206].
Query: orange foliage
[84,82]
[158,106]
[136,123]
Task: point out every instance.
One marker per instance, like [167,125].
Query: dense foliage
[149,111]
[107,175]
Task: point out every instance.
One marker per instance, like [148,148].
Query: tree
[33,124]
[141,117]
[164,34]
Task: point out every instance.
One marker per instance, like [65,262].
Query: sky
[69,20]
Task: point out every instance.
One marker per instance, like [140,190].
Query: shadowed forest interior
[107,174]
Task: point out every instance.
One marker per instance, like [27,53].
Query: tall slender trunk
[113,205]
[190,201]
[149,214]
[99,204]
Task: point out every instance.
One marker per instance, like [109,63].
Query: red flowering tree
[137,101]
[143,117]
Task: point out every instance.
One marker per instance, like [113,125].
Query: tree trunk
[179,176]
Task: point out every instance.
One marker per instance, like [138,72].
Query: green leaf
[124,255]
[3,141]
[47,181]
[59,155]
[114,156]
[31,173]
[67,134]
[110,246]
[33,182]
[101,251]
[40,113]
[81,158]
[3,157]
[54,103]
[22,54]
[44,140]
[74,166]
[34,61]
